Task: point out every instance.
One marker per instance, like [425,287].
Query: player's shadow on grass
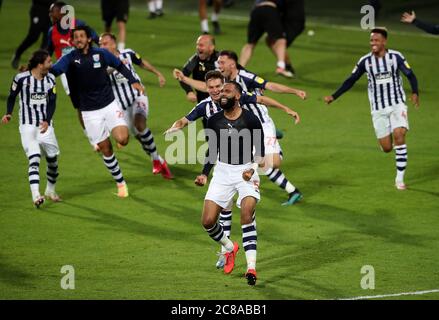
[290,265]
[123,224]
[12,275]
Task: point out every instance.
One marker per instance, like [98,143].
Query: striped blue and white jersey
[385,86]
[251,83]
[36,98]
[122,89]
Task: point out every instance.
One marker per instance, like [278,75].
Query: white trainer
[400,185]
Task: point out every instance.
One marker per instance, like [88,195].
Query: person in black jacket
[199,64]
[39,23]
[427,27]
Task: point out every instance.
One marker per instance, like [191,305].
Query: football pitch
[151,245]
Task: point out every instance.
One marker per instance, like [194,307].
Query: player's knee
[207,222]
[386,149]
[124,140]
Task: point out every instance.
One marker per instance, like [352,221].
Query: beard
[227,103]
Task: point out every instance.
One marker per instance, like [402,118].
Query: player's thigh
[221,190]
[115,116]
[49,143]
[94,123]
[271,144]
[248,189]
[29,140]
[399,118]
[381,124]
[141,106]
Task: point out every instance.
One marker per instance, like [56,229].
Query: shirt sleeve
[135,57]
[114,62]
[252,80]
[187,70]
[197,112]
[62,65]
[248,98]
[405,68]
[51,104]
[427,27]
[13,92]
[349,82]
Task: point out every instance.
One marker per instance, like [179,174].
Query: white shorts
[139,106]
[270,141]
[227,181]
[34,141]
[390,118]
[100,123]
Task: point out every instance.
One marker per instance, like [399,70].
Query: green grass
[152,246]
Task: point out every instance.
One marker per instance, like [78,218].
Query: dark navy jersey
[89,71]
[234,141]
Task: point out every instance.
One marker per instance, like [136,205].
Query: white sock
[159,4]
[401,161]
[281,64]
[204,25]
[214,17]
[151,6]
[121,46]
[249,242]
[227,243]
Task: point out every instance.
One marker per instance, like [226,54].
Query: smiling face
[80,39]
[108,43]
[205,47]
[214,88]
[226,66]
[377,43]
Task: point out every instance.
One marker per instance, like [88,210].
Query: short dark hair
[381,31]
[83,28]
[37,57]
[214,74]
[230,54]
[58,4]
[108,34]
[236,85]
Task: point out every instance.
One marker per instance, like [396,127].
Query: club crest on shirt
[96,57]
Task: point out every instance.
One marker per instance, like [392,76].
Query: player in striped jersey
[37,97]
[386,96]
[250,82]
[135,104]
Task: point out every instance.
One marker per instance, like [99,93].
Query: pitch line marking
[392,295]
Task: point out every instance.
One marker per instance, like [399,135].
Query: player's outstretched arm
[427,27]
[280,88]
[148,66]
[196,84]
[270,102]
[177,125]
